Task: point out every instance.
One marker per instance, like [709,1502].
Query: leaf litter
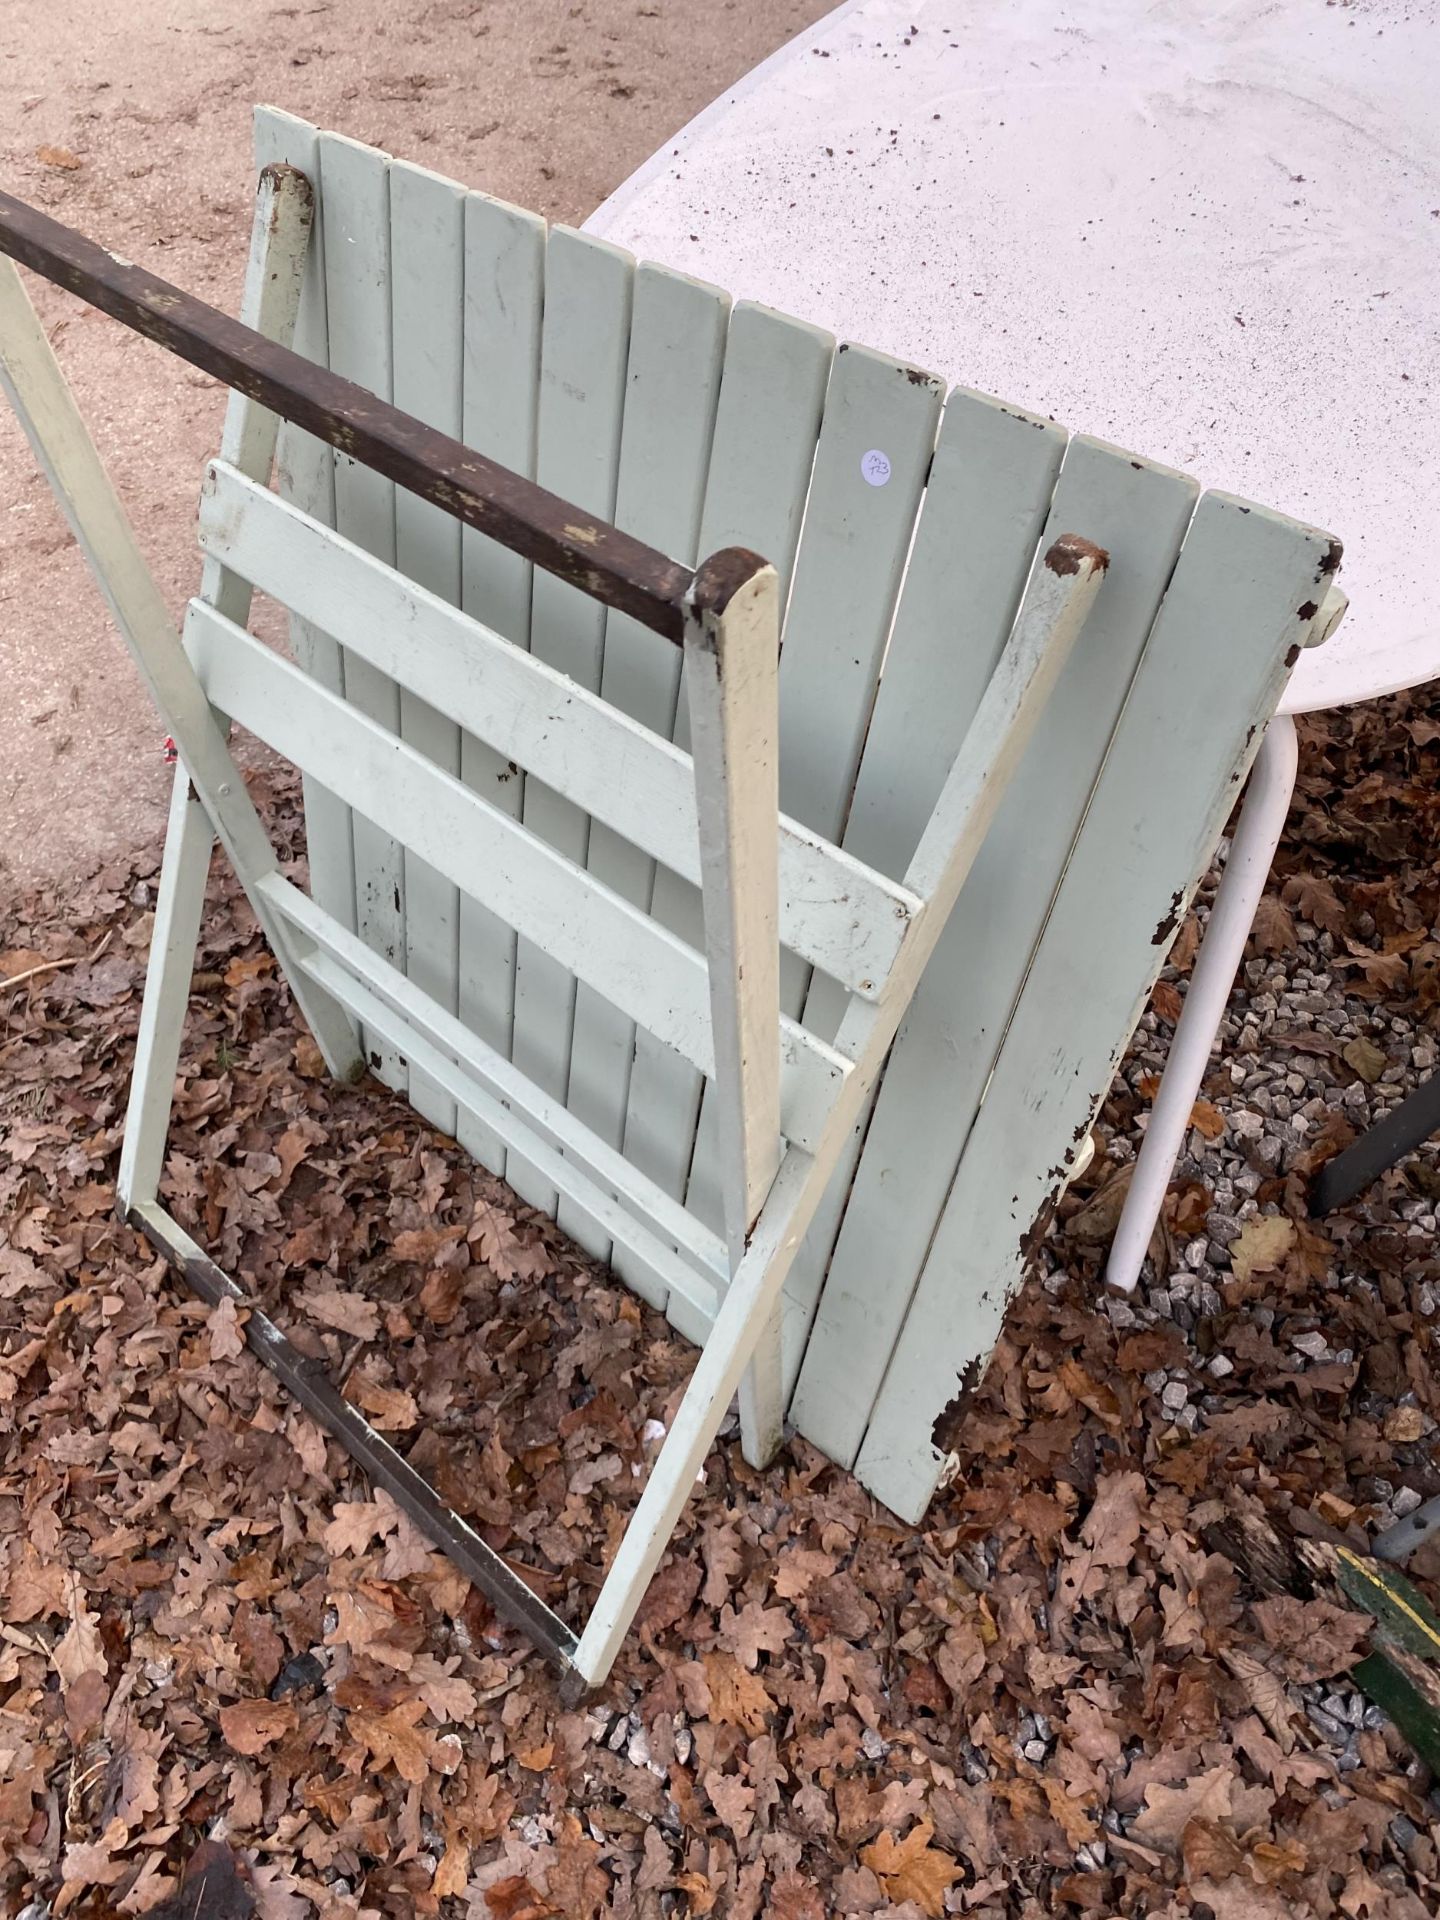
[234,1679]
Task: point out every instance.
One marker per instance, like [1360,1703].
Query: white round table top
[1207,230]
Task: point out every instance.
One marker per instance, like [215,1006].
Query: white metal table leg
[1262,820]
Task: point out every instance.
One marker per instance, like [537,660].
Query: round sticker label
[875,466]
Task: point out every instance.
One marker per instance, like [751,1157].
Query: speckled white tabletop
[1210,233]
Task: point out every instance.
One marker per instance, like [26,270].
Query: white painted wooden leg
[279,239]
[744,1315]
[1060,597]
[45,407]
[189,839]
[732,649]
[1262,820]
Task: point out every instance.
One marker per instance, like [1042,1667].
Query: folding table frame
[788,1100]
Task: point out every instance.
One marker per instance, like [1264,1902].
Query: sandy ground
[142,108]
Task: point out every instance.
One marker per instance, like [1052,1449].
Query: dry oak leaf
[1273,930]
[454,1869]
[1075,1818]
[423,1245]
[37,1588]
[394,1739]
[1238,1898]
[1365,1058]
[798,1570]
[1094,1395]
[249,1726]
[17,960]
[697,1891]
[911,1869]
[732,1800]
[92,1864]
[516,1899]
[575,1880]
[1269,1757]
[501,1248]
[1108,1537]
[1314,1638]
[1314,900]
[1261,1245]
[736,1697]
[1266,1692]
[357,1523]
[755,1629]
[793,1898]
[1380,969]
[724,1561]
[227,1338]
[1166,1001]
[79,1649]
[1216,1795]
[1208,1118]
[347,1312]
[1210,1852]
[1363,1897]
[391,1409]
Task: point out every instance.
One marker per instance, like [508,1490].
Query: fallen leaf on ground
[1261,1245]
[911,1869]
[252,1725]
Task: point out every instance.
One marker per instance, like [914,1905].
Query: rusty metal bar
[597,558]
[497,1580]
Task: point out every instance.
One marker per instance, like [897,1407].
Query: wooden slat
[847,575]
[584,345]
[985,505]
[942,1058]
[1210,676]
[504,297]
[426,304]
[552,902]
[305,473]
[772,394]
[677,343]
[356,186]
[837,913]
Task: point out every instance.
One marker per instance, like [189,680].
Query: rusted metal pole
[540,526]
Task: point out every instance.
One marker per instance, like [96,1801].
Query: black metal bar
[597,558]
[512,1599]
[1407,1536]
[1389,1140]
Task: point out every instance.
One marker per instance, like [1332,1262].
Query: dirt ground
[142,112]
